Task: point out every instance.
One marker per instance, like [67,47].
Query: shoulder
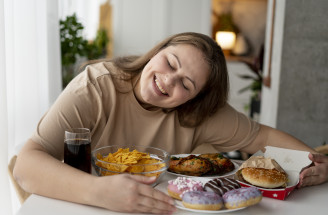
[98,77]
[224,114]
[228,117]
[228,129]
[226,120]
[94,72]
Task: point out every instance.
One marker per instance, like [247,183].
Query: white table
[309,200]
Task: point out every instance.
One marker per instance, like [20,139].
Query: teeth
[160,87]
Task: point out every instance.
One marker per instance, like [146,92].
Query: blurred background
[275,51]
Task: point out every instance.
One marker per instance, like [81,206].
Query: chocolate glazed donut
[221,185]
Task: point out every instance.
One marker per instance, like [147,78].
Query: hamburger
[266,178]
[263,172]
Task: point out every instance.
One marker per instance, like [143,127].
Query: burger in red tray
[275,172]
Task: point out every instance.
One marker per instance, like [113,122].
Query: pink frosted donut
[202,200]
[242,197]
[180,185]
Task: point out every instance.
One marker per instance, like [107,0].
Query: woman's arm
[267,136]
[38,172]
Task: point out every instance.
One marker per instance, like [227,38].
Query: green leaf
[74,45]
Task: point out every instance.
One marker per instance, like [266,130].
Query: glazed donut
[202,200]
[221,185]
[242,197]
[267,178]
[180,185]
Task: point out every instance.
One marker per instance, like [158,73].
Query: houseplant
[256,66]
[75,47]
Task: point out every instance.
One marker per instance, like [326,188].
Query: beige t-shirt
[114,117]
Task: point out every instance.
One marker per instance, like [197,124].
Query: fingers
[156,199]
[150,205]
[143,179]
[148,199]
[310,171]
[310,181]
[309,177]
[149,191]
[144,209]
[318,158]
[156,194]
[314,175]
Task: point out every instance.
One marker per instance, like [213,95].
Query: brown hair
[214,94]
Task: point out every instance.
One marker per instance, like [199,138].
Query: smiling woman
[108,98]
[177,72]
[186,60]
[173,97]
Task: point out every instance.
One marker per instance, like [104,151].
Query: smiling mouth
[160,87]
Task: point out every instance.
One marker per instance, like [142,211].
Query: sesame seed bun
[266,178]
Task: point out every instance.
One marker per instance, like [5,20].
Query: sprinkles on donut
[180,185]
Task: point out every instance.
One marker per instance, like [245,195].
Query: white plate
[206,176]
[163,187]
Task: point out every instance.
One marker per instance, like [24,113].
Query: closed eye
[180,66]
[169,64]
[184,86]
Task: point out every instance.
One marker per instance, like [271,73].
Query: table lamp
[226,39]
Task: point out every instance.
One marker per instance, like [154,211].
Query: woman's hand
[131,194]
[317,173]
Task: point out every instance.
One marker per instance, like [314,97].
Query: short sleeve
[228,130]
[78,106]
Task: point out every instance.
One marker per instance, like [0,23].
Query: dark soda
[77,153]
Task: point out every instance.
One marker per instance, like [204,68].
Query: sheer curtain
[30,76]
[4,183]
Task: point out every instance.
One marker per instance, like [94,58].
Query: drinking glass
[77,149]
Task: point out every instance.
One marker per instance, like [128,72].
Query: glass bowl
[156,165]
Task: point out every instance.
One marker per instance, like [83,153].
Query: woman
[174,97]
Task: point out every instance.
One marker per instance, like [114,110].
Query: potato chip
[125,160]
[135,169]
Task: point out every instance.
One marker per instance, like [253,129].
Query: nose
[170,79]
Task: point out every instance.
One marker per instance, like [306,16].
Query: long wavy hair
[214,94]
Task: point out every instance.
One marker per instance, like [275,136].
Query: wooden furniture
[322,149]
[21,193]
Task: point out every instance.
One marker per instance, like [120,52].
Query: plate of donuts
[180,206]
[204,195]
[212,165]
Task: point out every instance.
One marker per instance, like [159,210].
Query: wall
[139,25]
[240,101]
[299,70]
[249,16]
[269,100]
[297,99]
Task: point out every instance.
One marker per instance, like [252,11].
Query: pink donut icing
[182,184]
